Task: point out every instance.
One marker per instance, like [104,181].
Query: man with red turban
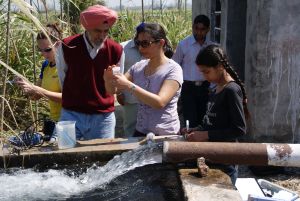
[81,61]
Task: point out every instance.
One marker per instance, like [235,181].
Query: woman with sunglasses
[48,85]
[155,81]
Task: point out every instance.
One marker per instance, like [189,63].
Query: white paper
[248,186]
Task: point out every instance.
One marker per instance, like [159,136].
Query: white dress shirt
[186,54]
[132,55]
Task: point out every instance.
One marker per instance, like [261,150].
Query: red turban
[95,15]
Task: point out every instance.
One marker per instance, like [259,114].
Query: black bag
[48,129]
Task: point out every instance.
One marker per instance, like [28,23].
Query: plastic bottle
[116,70]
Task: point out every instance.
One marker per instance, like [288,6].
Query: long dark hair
[156,31]
[53,31]
[212,56]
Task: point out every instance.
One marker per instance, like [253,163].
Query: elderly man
[81,61]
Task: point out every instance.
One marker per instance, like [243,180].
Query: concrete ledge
[216,186]
[85,151]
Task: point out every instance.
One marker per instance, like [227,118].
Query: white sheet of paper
[248,186]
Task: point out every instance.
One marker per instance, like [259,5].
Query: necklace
[149,71]
[156,65]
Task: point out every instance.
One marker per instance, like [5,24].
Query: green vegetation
[22,59]
[174,22]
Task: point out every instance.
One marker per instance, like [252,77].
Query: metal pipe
[233,153]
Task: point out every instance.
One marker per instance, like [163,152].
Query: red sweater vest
[84,89]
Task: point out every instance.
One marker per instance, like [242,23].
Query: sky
[133,3]
[116,3]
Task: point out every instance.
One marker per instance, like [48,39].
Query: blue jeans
[91,126]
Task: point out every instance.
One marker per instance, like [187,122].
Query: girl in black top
[224,120]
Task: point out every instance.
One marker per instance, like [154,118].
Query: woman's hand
[26,87]
[184,131]
[121,82]
[197,136]
[35,92]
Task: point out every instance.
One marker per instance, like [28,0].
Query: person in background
[127,100]
[194,93]
[48,85]
[224,120]
[155,81]
[81,62]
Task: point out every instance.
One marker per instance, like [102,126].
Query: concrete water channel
[215,186]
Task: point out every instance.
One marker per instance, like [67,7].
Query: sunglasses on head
[46,49]
[145,43]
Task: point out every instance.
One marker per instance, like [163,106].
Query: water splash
[56,184]
[120,164]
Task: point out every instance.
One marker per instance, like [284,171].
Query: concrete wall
[234,26]
[200,7]
[270,50]
[273,69]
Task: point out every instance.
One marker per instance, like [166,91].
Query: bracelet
[132,88]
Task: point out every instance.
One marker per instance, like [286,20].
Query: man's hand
[108,74]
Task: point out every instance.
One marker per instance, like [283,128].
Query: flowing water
[28,184]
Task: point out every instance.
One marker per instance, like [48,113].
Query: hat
[95,15]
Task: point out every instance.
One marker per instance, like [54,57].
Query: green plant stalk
[5,71]
[35,116]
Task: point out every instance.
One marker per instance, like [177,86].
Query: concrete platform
[216,186]
[85,151]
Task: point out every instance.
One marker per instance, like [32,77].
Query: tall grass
[174,22]
[20,60]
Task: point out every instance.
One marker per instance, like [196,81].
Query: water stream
[27,184]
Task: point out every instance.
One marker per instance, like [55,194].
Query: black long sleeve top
[224,119]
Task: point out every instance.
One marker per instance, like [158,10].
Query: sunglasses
[145,43]
[46,49]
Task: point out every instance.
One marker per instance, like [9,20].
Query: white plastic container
[251,189]
[66,134]
[277,192]
[116,70]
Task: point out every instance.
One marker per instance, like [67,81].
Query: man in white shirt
[194,93]
[127,100]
